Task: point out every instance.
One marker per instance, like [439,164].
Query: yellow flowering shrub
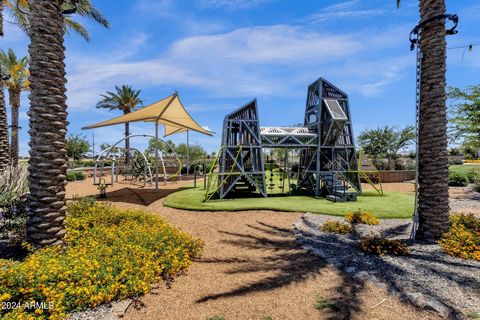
[375,244]
[472,161]
[463,238]
[362,217]
[336,227]
[110,254]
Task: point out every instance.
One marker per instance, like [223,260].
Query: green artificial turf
[391,205]
[465,168]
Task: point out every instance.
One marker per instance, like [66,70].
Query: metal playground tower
[327,166]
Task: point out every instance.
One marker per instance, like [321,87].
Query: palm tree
[48,122]
[18,82]
[85,9]
[4,148]
[125,99]
[433,208]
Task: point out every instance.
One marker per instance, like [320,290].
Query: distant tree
[125,99]
[465,115]
[16,83]
[386,142]
[162,146]
[77,147]
[195,152]
[105,146]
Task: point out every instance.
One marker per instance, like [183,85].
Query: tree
[125,99]
[85,9]
[77,147]
[386,142]
[465,120]
[16,83]
[433,208]
[48,123]
[166,147]
[4,147]
[195,152]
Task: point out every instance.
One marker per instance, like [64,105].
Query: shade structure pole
[156,155]
[188,154]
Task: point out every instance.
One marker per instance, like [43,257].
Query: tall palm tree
[48,122]
[125,99]
[433,208]
[17,82]
[85,9]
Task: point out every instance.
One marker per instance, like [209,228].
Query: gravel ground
[465,200]
[427,277]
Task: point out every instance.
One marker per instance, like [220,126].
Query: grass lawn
[391,205]
[465,168]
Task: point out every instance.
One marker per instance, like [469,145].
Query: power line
[469,47]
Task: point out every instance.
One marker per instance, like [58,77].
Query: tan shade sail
[168,111]
[169,130]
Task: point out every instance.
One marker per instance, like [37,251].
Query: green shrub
[361,217]
[456,179]
[463,238]
[13,199]
[110,254]
[322,304]
[375,244]
[71,176]
[473,176]
[79,175]
[336,227]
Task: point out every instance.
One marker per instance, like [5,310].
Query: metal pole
[188,155]
[93,143]
[156,155]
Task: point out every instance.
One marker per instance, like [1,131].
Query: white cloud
[246,62]
[232,4]
[343,10]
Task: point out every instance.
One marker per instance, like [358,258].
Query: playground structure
[140,164]
[327,164]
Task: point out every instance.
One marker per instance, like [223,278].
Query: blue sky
[219,54]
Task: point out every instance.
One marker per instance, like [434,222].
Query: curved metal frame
[105,153]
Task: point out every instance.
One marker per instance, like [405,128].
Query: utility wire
[470,46]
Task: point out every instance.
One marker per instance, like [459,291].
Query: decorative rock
[416,298]
[118,310]
[361,276]
[350,269]
[438,307]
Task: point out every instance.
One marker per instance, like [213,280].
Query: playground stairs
[337,190]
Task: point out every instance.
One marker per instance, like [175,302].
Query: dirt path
[251,269]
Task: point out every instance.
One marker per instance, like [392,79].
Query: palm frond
[78,28]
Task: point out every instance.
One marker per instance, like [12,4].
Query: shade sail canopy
[168,111]
[169,130]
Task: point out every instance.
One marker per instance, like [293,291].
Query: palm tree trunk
[4,149]
[432,157]
[48,122]
[127,144]
[15,105]
[1,18]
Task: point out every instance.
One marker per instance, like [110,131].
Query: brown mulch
[252,268]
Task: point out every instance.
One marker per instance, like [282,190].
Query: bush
[473,176]
[110,254]
[361,217]
[71,176]
[456,179]
[336,227]
[79,175]
[375,244]
[463,238]
[13,205]
[455,161]
[476,186]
